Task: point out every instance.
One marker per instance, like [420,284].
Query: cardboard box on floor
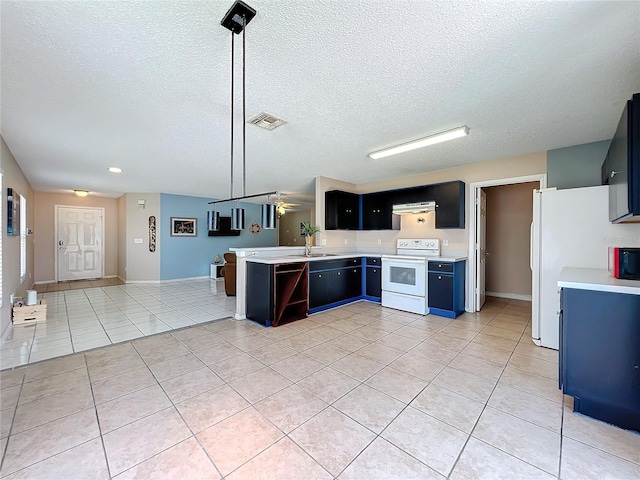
[28,314]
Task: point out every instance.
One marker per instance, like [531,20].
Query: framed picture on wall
[13,212]
[184,227]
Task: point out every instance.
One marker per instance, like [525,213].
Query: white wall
[141,264]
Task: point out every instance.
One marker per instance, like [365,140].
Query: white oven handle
[395,261]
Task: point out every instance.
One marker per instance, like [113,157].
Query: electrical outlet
[346,241]
[324,241]
[379,242]
[445,243]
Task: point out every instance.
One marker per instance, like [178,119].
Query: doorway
[506,234]
[289,228]
[79,243]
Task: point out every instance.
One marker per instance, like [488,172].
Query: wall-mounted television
[225,229]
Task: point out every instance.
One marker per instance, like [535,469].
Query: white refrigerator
[570,228]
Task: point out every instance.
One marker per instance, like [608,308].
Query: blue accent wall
[186,257]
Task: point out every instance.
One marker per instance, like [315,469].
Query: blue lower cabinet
[600,355]
[336,282]
[446,281]
[373,287]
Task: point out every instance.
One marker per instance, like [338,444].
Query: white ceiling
[146,86]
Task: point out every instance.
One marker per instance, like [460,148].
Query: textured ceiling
[146,86]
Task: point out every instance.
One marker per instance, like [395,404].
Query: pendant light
[237,217]
[213,220]
[236,20]
[268,215]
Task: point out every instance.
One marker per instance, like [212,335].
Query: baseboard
[44,282]
[510,296]
[172,280]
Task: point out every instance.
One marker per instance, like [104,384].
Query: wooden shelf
[291,293]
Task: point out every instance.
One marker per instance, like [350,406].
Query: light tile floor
[360,392]
[86,315]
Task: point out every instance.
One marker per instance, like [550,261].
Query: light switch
[137,240]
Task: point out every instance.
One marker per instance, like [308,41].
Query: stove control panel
[418,243]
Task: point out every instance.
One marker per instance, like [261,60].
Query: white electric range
[404,275]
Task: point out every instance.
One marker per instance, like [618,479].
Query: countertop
[443,258]
[304,258]
[447,259]
[339,256]
[596,279]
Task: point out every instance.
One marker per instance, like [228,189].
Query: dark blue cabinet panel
[342,210]
[374,282]
[450,204]
[600,355]
[445,288]
[621,167]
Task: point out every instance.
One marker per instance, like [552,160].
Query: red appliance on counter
[624,263]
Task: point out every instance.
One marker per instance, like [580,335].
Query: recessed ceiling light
[422,142]
[81,193]
[115,169]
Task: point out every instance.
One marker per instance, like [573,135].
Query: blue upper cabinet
[450,204]
[342,210]
[621,168]
[373,211]
[376,212]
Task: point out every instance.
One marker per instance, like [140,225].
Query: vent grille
[267,121]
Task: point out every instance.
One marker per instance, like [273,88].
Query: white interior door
[481,246]
[79,243]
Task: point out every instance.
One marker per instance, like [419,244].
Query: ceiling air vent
[267,121]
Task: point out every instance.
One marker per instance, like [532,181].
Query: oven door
[404,276]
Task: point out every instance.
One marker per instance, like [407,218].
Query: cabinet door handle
[320,276]
[339,273]
[440,265]
[439,277]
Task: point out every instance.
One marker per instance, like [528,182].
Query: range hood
[420,207]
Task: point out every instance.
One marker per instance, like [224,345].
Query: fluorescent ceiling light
[115,169]
[422,142]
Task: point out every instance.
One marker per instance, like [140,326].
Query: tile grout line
[480,416]
[95,409]
[13,417]
[360,382]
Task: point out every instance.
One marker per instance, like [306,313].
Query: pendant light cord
[232,102]
[244,111]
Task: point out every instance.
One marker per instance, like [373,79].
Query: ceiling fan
[282,207]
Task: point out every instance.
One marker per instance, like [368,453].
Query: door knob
[613,173]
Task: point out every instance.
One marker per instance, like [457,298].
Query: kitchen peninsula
[277,285]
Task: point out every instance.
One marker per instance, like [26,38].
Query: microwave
[624,263]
